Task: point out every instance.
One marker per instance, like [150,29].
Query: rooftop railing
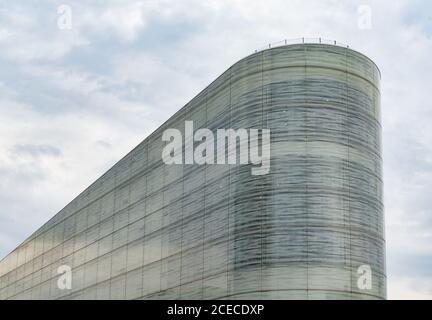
[287,42]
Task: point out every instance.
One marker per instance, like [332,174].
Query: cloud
[36,150]
[409,289]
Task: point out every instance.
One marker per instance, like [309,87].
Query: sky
[82,83]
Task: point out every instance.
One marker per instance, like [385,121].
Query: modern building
[312,228]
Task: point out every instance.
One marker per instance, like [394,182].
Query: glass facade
[147,230]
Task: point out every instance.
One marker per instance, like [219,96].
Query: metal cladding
[303,231]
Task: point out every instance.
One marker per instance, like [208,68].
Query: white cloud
[409,289]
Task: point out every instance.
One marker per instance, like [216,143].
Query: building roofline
[311,41]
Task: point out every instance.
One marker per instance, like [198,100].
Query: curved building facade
[311,228]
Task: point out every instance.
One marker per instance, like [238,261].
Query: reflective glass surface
[147,230]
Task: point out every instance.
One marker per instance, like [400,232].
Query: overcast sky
[74,101]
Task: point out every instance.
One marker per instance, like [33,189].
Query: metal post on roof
[320,40]
[303,39]
[285,41]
